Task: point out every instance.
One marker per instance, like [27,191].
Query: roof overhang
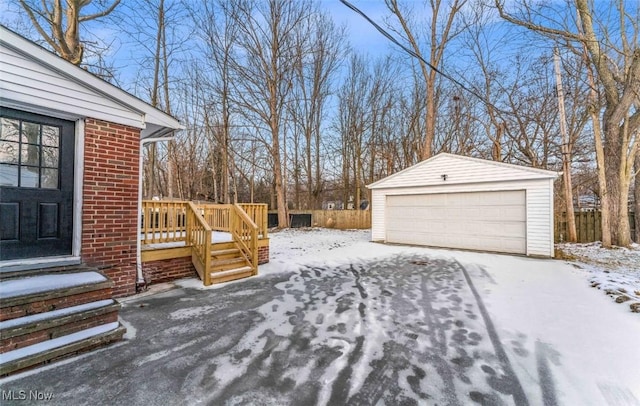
[152,121]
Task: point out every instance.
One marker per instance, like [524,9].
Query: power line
[415,55]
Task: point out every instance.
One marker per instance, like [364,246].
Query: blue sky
[362,35]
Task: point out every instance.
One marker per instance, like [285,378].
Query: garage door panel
[491,221]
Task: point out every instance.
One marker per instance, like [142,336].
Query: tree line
[280,108]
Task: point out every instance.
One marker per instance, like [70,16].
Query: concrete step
[231,274]
[57,348]
[28,330]
[45,292]
[52,313]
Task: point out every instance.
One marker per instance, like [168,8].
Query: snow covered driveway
[334,319]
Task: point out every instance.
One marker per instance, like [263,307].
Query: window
[29,154]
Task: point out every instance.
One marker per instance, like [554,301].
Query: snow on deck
[45,283]
[216,237]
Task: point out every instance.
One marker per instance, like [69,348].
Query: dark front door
[36,185]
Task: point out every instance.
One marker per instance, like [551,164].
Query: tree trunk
[566,154]
[636,196]
[617,183]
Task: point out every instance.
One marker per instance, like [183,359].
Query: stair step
[52,349]
[231,274]
[28,330]
[30,295]
[43,284]
[19,270]
[226,264]
[219,253]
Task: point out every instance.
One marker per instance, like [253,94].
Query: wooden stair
[228,264]
[49,314]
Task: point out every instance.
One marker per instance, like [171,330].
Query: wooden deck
[222,239]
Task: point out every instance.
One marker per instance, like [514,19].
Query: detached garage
[460,202]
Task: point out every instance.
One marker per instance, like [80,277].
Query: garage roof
[445,168]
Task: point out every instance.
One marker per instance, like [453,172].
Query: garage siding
[378,225]
[540,218]
[538,198]
[459,170]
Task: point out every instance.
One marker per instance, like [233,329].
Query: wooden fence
[588,227]
[340,219]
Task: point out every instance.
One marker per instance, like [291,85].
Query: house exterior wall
[28,82]
[539,207]
[110,201]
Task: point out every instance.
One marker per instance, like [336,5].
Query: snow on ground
[544,309]
[336,319]
[615,271]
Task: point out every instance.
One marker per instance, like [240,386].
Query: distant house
[460,202]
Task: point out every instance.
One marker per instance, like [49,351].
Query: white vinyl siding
[466,175]
[488,221]
[459,170]
[26,82]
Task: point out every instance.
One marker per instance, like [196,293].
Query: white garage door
[486,221]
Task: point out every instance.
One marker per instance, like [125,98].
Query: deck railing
[193,224]
[216,215]
[245,234]
[198,236]
[163,221]
[258,213]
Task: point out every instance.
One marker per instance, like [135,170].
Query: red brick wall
[168,270]
[110,201]
[263,255]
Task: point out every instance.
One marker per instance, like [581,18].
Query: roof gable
[34,79]
[459,169]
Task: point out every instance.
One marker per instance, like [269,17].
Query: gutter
[140,282]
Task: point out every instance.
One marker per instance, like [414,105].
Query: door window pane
[8,175]
[10,130]
[50,136]
[49,178]
[50,157]
[29,176]
[9,152]
[30,155]
[31,131]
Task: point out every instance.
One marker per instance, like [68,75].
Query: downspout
[140,282]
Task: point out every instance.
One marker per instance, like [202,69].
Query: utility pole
[566,153]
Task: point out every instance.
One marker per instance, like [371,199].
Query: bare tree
[636,195]
[264,76]
[615,58]
[322,45]
[440,29]
[216,22]
[58,22]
